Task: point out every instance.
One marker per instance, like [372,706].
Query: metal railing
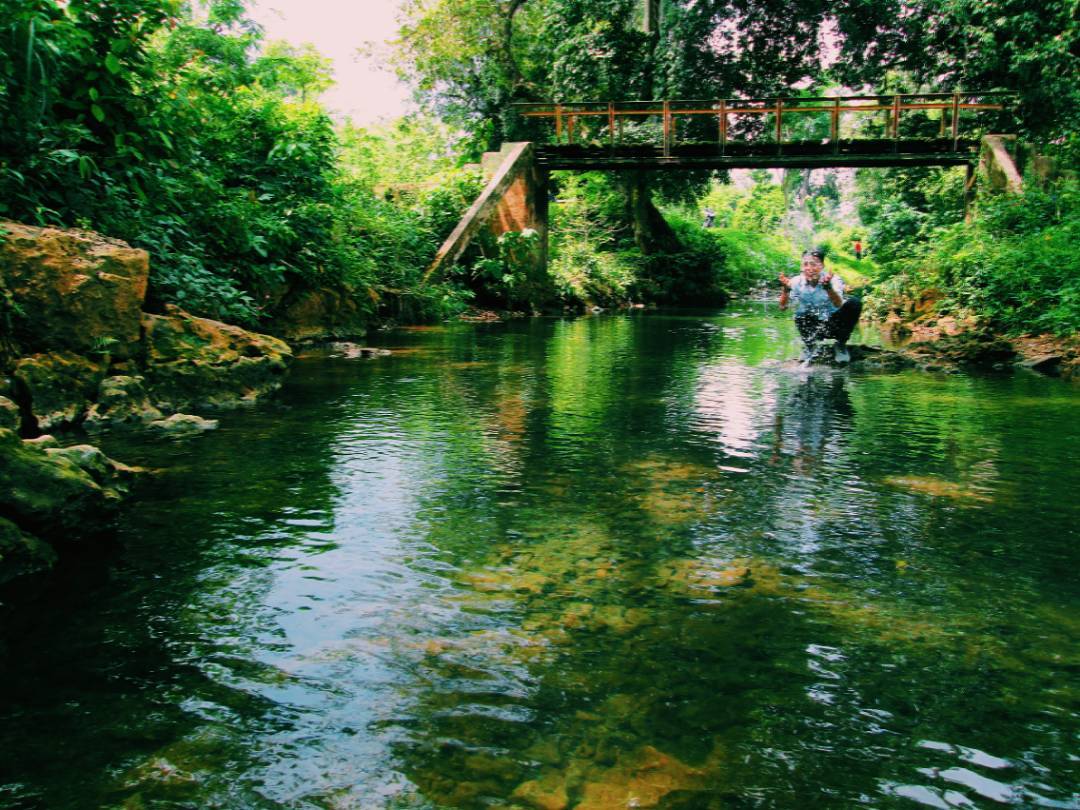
[612,115]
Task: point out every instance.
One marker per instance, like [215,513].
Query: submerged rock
[58,386]
[43,441]
[77,291]
[196,361]
[184,424]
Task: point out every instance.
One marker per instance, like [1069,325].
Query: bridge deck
[736,155]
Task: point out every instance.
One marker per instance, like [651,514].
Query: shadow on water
[593,563]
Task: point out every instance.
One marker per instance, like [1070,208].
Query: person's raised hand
[785,280]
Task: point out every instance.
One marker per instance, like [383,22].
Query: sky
[337,28]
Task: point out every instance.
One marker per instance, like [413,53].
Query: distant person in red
[858,249]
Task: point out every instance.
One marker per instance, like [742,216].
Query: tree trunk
[652,234]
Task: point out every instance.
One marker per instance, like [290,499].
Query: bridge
[797,132]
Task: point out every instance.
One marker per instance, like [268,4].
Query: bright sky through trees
[337,28]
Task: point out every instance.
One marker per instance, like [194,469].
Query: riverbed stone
[58,386]
[10,417]
[121,399]
[184,424]
[192,361]
[77,291]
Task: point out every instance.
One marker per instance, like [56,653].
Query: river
[618,561]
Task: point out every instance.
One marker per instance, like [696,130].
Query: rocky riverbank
[915,330]
[77,351]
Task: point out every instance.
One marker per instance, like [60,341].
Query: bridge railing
[665,124]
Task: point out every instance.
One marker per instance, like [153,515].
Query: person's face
[811,268]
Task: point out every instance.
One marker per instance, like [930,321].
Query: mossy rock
[51,495]
[196,361]
[121,400]
[76,290]
[58,386]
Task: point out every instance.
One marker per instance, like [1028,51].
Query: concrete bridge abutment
[514,200]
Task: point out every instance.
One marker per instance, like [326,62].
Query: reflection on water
[601,563]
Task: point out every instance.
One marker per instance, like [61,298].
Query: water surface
[598,563]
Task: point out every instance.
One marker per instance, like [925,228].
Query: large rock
[121,400]
[311,314]
[114,478]
[51,495]
[193,361]
[972,347]
[58,386]
[76,290]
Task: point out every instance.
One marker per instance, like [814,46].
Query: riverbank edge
[79,353]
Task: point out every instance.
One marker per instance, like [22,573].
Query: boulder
[115,478]
[121,400]
[1045,364]
[313,314]
[184,424]
[22,553]
[10,418]
[58,386]
[973,347]
[197,361]
[50,495]
[77,291]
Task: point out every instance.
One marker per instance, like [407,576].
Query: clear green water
[598,563]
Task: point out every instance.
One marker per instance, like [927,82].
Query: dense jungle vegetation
[177,127]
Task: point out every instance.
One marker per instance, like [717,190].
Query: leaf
[113,64]
[97,112]
[94,94]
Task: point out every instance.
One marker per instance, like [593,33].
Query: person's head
[813,263]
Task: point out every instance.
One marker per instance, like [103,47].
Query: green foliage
[589,262]
[179,136]
[1028,48]
[1015,264]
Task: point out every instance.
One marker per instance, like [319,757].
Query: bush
[1015,264]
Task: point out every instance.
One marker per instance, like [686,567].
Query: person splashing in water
[821,310]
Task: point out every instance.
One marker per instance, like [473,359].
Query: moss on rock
[75,289]
[196,361]
[51,495]
[58,386]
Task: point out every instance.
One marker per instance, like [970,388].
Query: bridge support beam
[515,199]
[999,165]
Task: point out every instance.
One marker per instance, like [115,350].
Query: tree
[1027,47]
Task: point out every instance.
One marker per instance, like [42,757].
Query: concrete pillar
[523,206]
[650,16]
